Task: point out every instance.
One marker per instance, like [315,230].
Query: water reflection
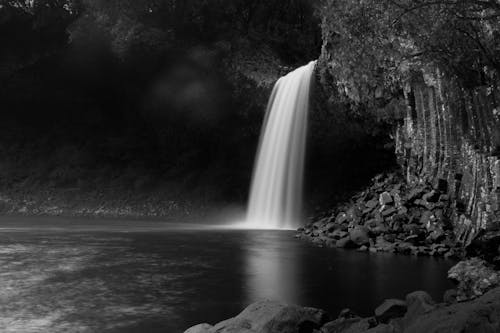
[120,278]
[272,269]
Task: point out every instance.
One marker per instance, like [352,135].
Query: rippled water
[60,275]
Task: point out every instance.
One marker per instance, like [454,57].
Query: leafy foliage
[372,46]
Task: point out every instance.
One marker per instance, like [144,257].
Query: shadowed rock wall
[450,137]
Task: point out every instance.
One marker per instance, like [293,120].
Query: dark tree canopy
[375,45]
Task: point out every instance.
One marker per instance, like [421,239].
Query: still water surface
[59,275]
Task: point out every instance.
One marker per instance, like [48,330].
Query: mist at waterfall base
[277,183]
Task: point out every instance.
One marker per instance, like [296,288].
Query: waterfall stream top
[277,182]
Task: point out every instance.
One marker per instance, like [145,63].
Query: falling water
[276,192]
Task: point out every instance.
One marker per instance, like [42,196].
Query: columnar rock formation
[450,137]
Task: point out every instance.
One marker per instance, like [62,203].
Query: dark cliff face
[431,72]
[450,138]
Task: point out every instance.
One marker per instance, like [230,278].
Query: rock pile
[389,216]
[417,313]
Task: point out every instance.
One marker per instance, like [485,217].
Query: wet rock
[363,248]
[419,303]
[480,315]
[359,235]
[338,234]
[271,317]
[389,309]
[330,227]
[404,247]
[345,242]
[474,277]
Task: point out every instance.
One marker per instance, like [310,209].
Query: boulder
[359,235]
[389,309]
[474,277]
[269,317]
[480,315]
[385,198]
[345,242]
[371,204]
[419,303]
[200,328]
[338,234]
[341,218]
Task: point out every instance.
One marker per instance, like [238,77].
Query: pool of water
[60,275]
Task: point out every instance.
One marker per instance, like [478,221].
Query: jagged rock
[341,218]
[425,219]
[270,317]
[432,196]
[385,198]
[474,277]
[389,309]
[480,315]
[339,325]
[419,303]
[413,239]
[415,193]
[359,235]
[403,247]
[384,245]
[345,242]
[371,204]
[330,227]
[338,234]
[389,211]
[379,229]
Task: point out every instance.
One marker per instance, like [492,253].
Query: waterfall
[276,191]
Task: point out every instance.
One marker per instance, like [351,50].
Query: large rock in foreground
[418,314]
[478,316]
[268,317]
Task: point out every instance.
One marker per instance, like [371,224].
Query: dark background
[131,100]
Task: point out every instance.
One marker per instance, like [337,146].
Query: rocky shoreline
[394,216]
[473,306]
[418,312]
[391,216]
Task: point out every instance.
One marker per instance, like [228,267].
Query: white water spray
[276,191]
